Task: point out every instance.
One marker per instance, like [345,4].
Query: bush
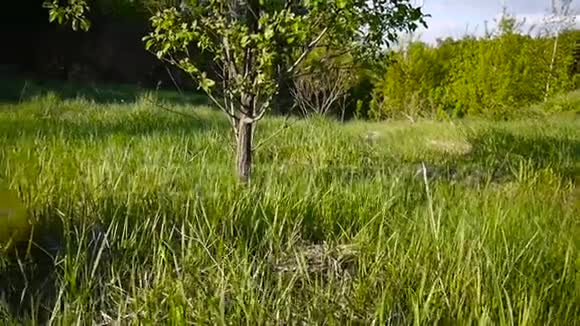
[494,76]
[498,76]
[414,83]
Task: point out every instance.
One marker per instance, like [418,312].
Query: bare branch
[341,67]
[307,51]
[321,91]
[173,80]
[168,109]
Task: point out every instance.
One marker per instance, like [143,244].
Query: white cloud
[456,18]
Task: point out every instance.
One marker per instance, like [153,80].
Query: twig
[279,131]
[23,91]
[168,109]
[307,51]
[173,80]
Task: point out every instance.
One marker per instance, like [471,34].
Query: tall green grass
[141,221]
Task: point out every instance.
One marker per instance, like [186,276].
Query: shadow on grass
[500,156]
[19,90]
[495,156]
[504,153]
[37,272]
[130,123]
[29,275]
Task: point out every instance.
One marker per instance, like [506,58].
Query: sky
[456,17]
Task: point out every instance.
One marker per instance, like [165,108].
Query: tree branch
[307,51]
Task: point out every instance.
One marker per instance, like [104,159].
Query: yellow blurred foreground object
[14,226]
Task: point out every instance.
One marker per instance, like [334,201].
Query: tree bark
[244,150]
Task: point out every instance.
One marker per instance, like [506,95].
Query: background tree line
[497,75]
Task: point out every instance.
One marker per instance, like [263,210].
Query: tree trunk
[551,71]
[244,150]
[246,122]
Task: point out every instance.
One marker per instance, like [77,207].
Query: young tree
[254,42]
[561,18]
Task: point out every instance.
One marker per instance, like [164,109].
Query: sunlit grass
[143,222]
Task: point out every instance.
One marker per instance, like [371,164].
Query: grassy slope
[339,225]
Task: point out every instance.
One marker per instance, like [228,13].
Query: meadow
[139,219]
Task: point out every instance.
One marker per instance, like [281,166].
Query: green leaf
[245,41]
[206,83]
[53,14]
[268,33]
[149,42]
[166,47]
[85,25]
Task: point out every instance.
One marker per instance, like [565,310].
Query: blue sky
[455,17]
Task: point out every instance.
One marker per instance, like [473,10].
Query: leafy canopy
[252,42]
[75,13]
[248,39]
